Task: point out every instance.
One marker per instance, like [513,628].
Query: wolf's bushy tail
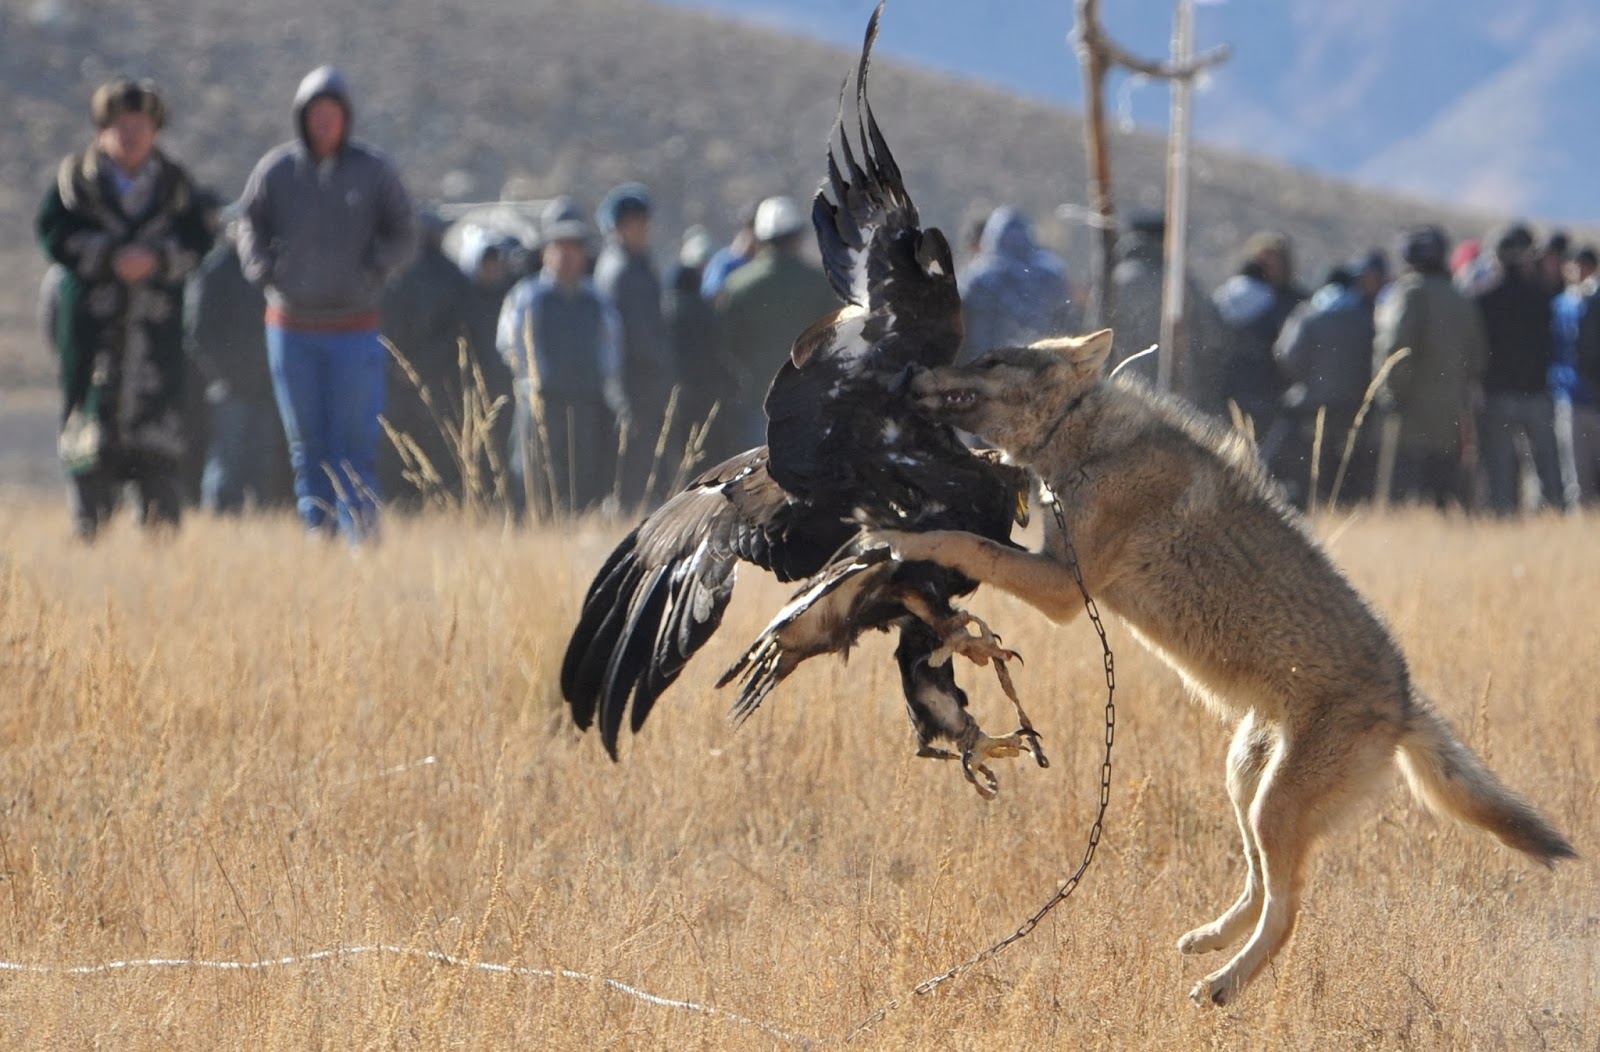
[1450,779]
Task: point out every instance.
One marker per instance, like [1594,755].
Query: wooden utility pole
[1098,54]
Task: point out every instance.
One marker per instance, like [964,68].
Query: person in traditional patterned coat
[126,224]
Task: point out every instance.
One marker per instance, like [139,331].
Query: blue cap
[619,201]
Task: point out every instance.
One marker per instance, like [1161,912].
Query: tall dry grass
[219,748]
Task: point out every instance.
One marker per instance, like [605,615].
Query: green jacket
[121,347]
[765,305]
[1434,387]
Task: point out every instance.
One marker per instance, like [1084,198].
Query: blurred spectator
[424,315]
[563,342]
[487,262]
[326,222]
[125,222]
[1139,278]
[49,307]
[1587,361]
[1464,256]
[247,454]
[972,237]
[1254,304]
[730,257]
[1577,417]
[1013,292]
[1516,312]
[706,374]
[1550,263]
[1325,353]
[1429,438]
[626,275]
[765,306]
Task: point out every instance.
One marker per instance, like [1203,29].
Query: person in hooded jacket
[1254,304]
[1013,292]
[326,222]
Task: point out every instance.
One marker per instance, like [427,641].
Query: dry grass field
[243,746]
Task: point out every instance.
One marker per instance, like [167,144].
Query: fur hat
[124,95]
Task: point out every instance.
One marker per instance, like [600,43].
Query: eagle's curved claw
[983,747]
[980,647]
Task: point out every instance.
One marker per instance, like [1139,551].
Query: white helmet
[778,217]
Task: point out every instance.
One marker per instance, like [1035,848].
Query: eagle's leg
[980,647]
[983,648]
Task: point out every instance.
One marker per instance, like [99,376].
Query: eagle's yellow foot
[982,747]
[980,648]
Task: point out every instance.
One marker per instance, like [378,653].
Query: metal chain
[927,986]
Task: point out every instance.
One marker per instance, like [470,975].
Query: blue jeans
[330,392]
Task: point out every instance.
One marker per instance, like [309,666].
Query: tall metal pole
[1169,363]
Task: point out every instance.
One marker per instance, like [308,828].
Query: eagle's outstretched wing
[662,592]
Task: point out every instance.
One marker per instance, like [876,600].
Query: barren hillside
[575,97]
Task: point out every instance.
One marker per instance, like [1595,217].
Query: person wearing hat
[626,275]
[126,225]
[765,305]
[563,342]
[326,222]
[1428,443]
[1325,354]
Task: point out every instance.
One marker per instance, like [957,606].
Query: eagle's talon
[931,752]
[969,766]
[1031,744]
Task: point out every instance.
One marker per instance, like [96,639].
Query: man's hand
[133,264]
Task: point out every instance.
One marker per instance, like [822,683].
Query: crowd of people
[316,343]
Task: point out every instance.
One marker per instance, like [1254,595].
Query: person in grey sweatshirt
[326,221]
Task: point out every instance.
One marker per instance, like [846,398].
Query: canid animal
[1177,531]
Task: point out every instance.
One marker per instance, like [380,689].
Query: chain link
[928,986]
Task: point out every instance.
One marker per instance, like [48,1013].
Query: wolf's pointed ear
[1086,354]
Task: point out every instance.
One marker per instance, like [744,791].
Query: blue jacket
[577,340]
[1014,292]
[1567,313]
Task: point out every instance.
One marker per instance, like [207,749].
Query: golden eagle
[846,450]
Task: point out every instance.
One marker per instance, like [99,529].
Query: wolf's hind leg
[1247,758]
[1307,782]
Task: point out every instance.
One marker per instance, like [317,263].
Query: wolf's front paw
[904,545]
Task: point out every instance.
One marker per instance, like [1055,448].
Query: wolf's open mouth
[960,398]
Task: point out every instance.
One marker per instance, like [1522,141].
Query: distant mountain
[1476,103]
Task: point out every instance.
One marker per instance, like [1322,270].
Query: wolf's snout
[936,389]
